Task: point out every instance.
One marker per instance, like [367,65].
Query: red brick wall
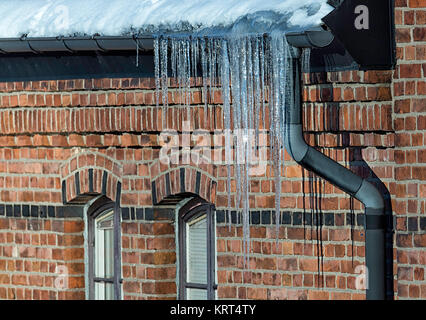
[149,259]
[409,193]
[372,122]
[41,258]
[347,115]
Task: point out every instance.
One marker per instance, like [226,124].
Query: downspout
[341,177]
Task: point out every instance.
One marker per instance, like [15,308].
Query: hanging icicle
[255,75]
[224,73]
[157,70]
[164,78]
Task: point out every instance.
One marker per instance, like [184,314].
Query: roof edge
[73,44]
[38,45]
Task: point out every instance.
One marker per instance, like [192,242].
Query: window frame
[101,206]
[194,209]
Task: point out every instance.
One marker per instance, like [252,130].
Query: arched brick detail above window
[91,172]
[195,178]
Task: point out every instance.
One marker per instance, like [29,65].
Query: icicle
[255,73]
[173,58]
[164,79]
[257,92]
[306,59]
[194,56]
[245,110]
[262,81]
[137,54]
[180,74]
[210,48]
[212,71]
[157,70]
[227,121]
[204,70]
[250,94]
[235,89]
[187,72]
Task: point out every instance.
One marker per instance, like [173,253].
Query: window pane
[196,294]
[109,291]
[109,253]
[99,291]
[99,253]
[197,250]
[104,291]
[104,255]
[104,245]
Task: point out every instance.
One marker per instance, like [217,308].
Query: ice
[224,74]
[204,73]
[257,89]
[248,66]
[164,78]
[157,70]
[51,18]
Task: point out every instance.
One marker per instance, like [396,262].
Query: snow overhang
[37,39]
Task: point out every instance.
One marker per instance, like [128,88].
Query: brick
[318,295]
[310,265]
[160,243]
[377,77]
[420,17]
[404,240]
[76,140]
[403,35]
[419,34]
[94,140]
[410,70]
[402,106]
[419,105]
[164,257]
[227,292]
[256,293]
[19,279]
[420,240]
[417,4]
[73,226]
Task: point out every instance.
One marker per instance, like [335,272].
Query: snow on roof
[51,18]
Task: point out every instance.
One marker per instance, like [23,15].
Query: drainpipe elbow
[371,198]
[295,143]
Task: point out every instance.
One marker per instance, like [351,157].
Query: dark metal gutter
[359,188]
[333,58]
[309,38]
[314,37]
[75,44]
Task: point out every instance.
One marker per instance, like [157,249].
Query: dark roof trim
[308,38]
[315,38]
[73,44]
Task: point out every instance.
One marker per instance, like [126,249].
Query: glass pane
[109,253]
[104,245]
[104,291]
[196,294]
[197,250]
[99,254]
[99,291]
[109,291]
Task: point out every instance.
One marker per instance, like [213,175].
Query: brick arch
[91,172]
[197,177]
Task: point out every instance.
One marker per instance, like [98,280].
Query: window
[197,251]
[104,262]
